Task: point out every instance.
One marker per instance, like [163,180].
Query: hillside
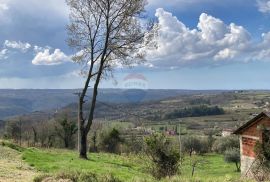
[234,108]
[18,102]
[121,167]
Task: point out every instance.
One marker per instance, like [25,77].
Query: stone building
[249,134]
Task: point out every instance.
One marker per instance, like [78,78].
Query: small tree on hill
[110,141]
[194,144]
[233,156]
[13,130]
[106,33]
[195,162]
[164,156]
[65,131]
[225,143]
[210,138]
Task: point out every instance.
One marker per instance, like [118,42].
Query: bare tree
[106,33]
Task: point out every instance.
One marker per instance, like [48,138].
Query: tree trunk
[237,167]
[35,136]
[190,153]
[193,170]
[66,143]
[83,144]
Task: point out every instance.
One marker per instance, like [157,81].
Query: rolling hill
[24,101]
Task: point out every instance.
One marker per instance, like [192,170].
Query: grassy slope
[212,167]
[126,168]
[51,161]
[12,168]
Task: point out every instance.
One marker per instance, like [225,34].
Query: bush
[133,144]
[165,159]
[87,177]
[41,177]
[226,143]
[110,141]
[233,156]
[109,178]
[75,176]
[70,175]
[12,146]
[261,169]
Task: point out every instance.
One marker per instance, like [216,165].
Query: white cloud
[3,54]
[17,45]
[263,6]
[38,49]
[3,7]
[225,54]
[45,58]
[212,42]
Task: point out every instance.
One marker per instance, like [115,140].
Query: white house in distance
[226,132]
[251,133]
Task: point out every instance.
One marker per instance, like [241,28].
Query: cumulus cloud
[3,54]
[45,58]
[24,47]
[263,6]
[211,42]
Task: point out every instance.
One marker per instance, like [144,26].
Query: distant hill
[24,101]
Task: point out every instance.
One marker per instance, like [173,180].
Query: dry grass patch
[12,168]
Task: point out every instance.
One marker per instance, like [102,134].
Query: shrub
[12,146]
[70,175]
[226,143]
[261,169]
[87,177]
[75,176]
[233,156]
[40,178]
[133,144]
[110,178]
[110,141]
[165,159]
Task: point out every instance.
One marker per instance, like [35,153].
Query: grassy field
[51,161]
[126,168]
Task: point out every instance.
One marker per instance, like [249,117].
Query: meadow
[127,167]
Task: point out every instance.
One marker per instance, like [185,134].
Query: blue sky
[204,44]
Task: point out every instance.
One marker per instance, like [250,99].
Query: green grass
[51,161]
[213,166]
[126,168]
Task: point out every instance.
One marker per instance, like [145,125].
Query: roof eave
[241,128]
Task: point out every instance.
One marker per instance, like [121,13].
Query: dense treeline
[195,111]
